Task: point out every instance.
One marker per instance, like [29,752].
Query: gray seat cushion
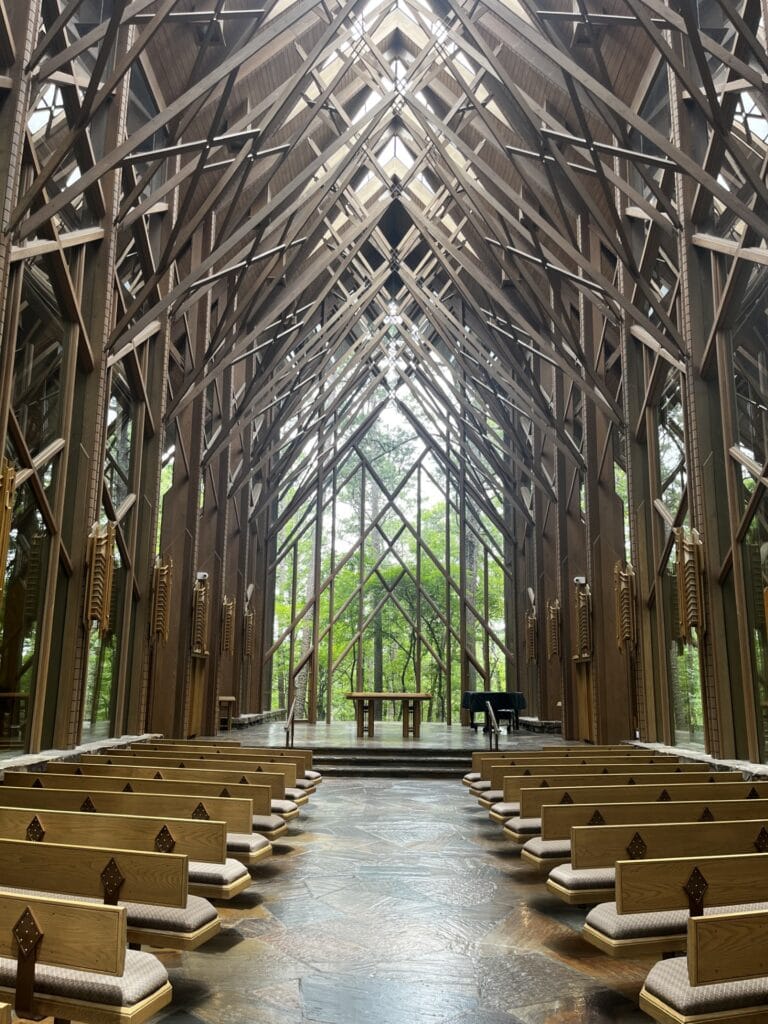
[472,777]
[506,810]
[524,826]
[539,847]
[668,981]
[304,785]
[311,775]
[283,806]
[494,795]
[246,842]
[603,918]
[292,793]
[481,785]
[576,879]
[144,975]
[204,873]
[262,823]
[198,912]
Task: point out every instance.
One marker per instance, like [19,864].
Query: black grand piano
[506,706]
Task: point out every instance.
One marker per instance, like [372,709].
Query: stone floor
[398,902]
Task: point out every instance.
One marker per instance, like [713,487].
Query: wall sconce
[100,558]
[531,636]
[624,595]
[553,630]
[200,616]
[583,607]
[690,584]
[162,590]
[228,625]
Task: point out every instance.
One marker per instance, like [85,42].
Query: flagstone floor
[398,902]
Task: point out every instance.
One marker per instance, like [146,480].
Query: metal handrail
[290,724]
[493,727]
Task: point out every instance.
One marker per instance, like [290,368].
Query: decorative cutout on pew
[596,819]
[543,784]
[690,584]
[100,560]
[128,788]
[624,594]
[200,617]
[7,497]
[228,625]
[631,781]
[200,812]
[225,792]
[664,795]
[583,607]
[566,798]
[694,889]
[243,780]
[637,847]
[27,933]
[35,832]
[707,815]
[753,794]
[162,589]
[112,879]
[37,784]
[761,843]
[164,841]
[87,805]
[158,775]
[78,771]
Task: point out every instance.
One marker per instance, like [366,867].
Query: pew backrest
[526,760]
[237,814]
[513,787]
[676,883]
[301,758]
[558,751]
[532,800]
[95,872]
[199,840]
[557,820]
[499,772]
[288,771]
[727,947]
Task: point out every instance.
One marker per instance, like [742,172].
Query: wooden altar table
[411,710]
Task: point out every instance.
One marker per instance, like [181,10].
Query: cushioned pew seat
[270,826]
[305,787]
[292,795]
[471,778]
[312,776]
[481,787]
[579,886]
[545,854]
[522,829]
[144,976]
[667,984]
[489,797]
[219,881]
[644,934]
[287,809]
[247,848]
[503,811]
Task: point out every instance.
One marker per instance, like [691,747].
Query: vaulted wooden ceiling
[473,171]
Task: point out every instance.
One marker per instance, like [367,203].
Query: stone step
[388,771]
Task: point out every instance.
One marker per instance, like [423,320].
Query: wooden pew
[190,780]
[722,950]
[86,942]
[280,793]
[532,800]
[545,751]
[301,758]
[623,776]
[203,842]
[655,898]
[481,786]
[589,877]
[152,886]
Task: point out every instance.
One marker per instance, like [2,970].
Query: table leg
[406,718]
[359,715]
[369,704]
[416,719]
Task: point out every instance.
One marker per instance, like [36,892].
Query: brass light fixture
[624,594]
[553,630]
[583,607]
[249,630]
[690,584]
[200,616]
[531,636]
[7,493]
[228,625]
[100,558]
[162,590]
